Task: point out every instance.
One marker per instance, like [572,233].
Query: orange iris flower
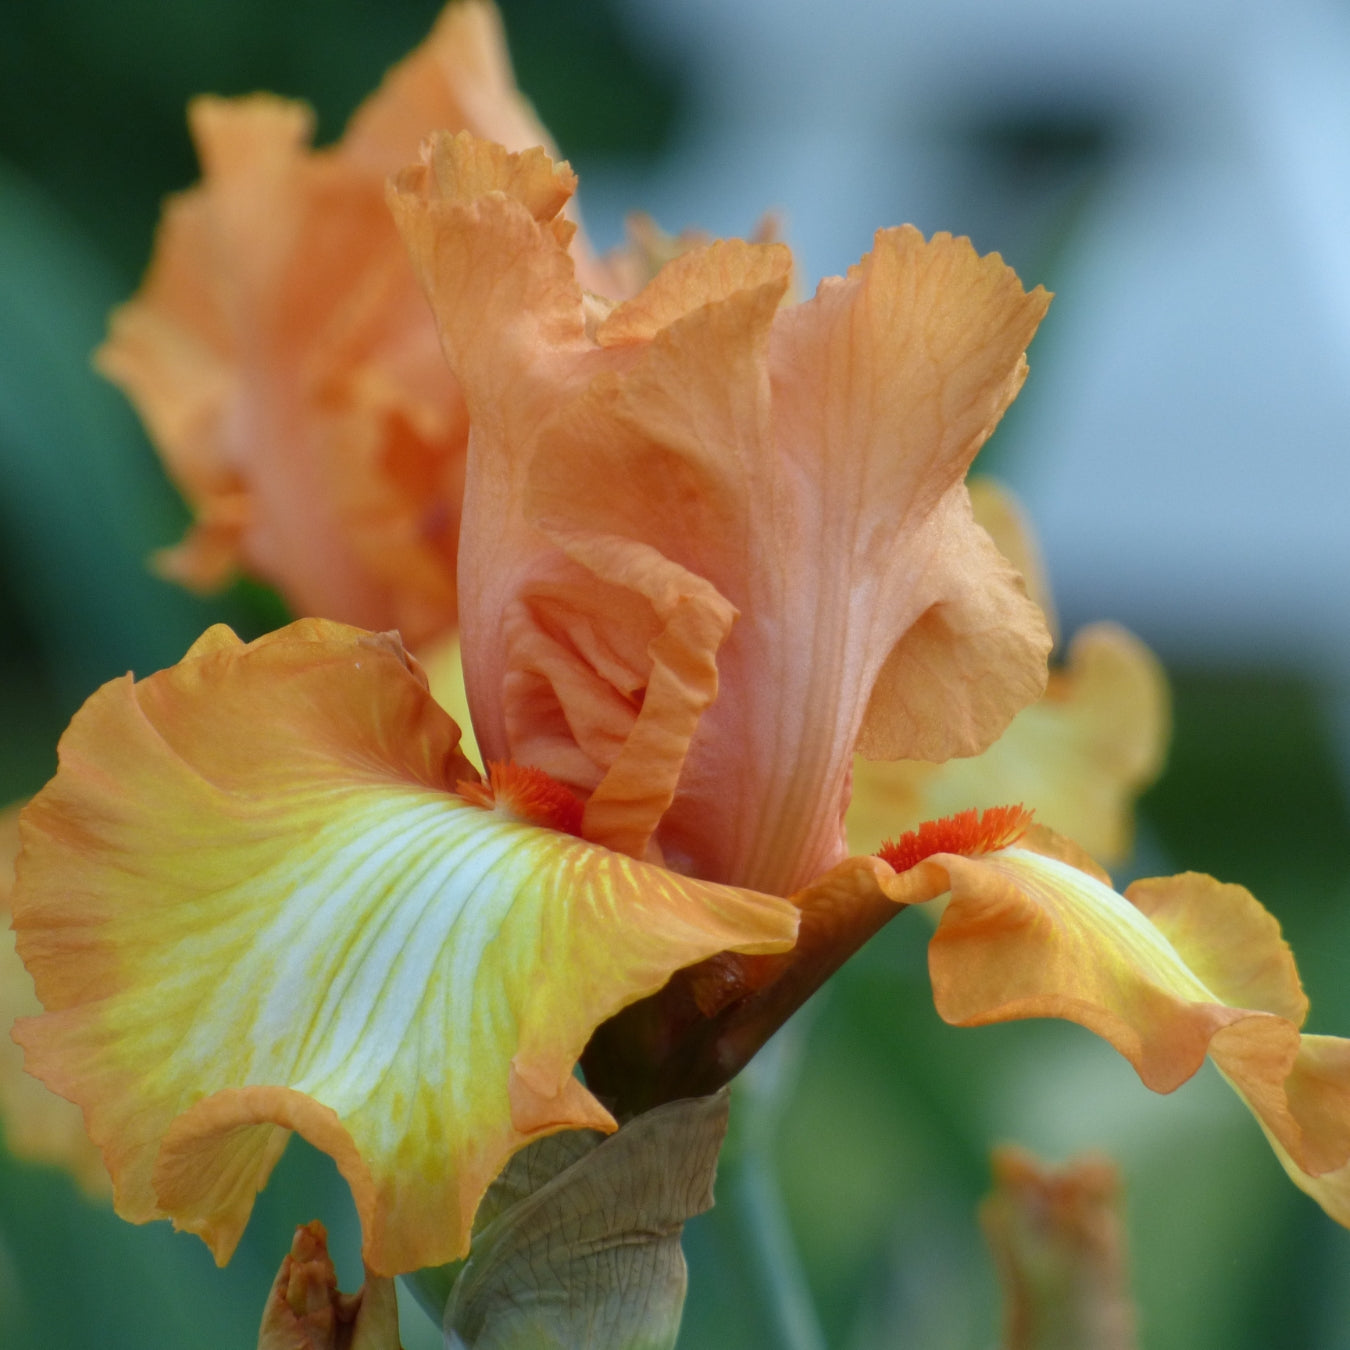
[282,355]
[712,545]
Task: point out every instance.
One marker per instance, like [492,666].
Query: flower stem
[773,1255]
[756,1199]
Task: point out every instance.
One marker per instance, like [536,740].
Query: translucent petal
[253,903]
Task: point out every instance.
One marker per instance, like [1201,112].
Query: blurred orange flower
[281,354]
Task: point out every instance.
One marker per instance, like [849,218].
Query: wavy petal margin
[280,352]
[252,903]
[36,1124]
[1174,969]
[804,462]
[1078,757]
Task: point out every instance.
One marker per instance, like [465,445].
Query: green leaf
[579,1239]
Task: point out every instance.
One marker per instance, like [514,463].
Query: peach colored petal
[999,514]
[285,367]
[1078,757]
[703,463]
[35,1124]
[281,354]
[460,77]
[806,463]
[253,904]
[702,275]
[679,683]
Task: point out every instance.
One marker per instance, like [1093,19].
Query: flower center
[521,792]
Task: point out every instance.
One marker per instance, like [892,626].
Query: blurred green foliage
[883,1141]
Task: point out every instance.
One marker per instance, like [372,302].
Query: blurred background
[1180,174]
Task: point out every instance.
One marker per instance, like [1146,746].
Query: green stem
[757,1200]
[773,1253]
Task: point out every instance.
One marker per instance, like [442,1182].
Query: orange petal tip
[968,833]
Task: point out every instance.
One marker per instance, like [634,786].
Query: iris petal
[1078,757]
[803,462]
[35,1123]
[1173,970]
[253,904]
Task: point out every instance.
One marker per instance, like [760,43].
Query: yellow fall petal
[805,463]
[1326,1061]
[1173,970]
[1000,515]
[252,903]
[35,1123]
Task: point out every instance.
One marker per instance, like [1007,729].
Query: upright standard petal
[253,902]
[1078,757]
[802,467]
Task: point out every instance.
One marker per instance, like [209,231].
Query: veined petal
[252,903]
[1174,969]
[1078,757]
[34,1123]
[806,463]
[678,673]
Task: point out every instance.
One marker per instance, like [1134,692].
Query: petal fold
[805,461]
[36,1124]
[281,355]
[253,904]
[1175,969]
[1079,756]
